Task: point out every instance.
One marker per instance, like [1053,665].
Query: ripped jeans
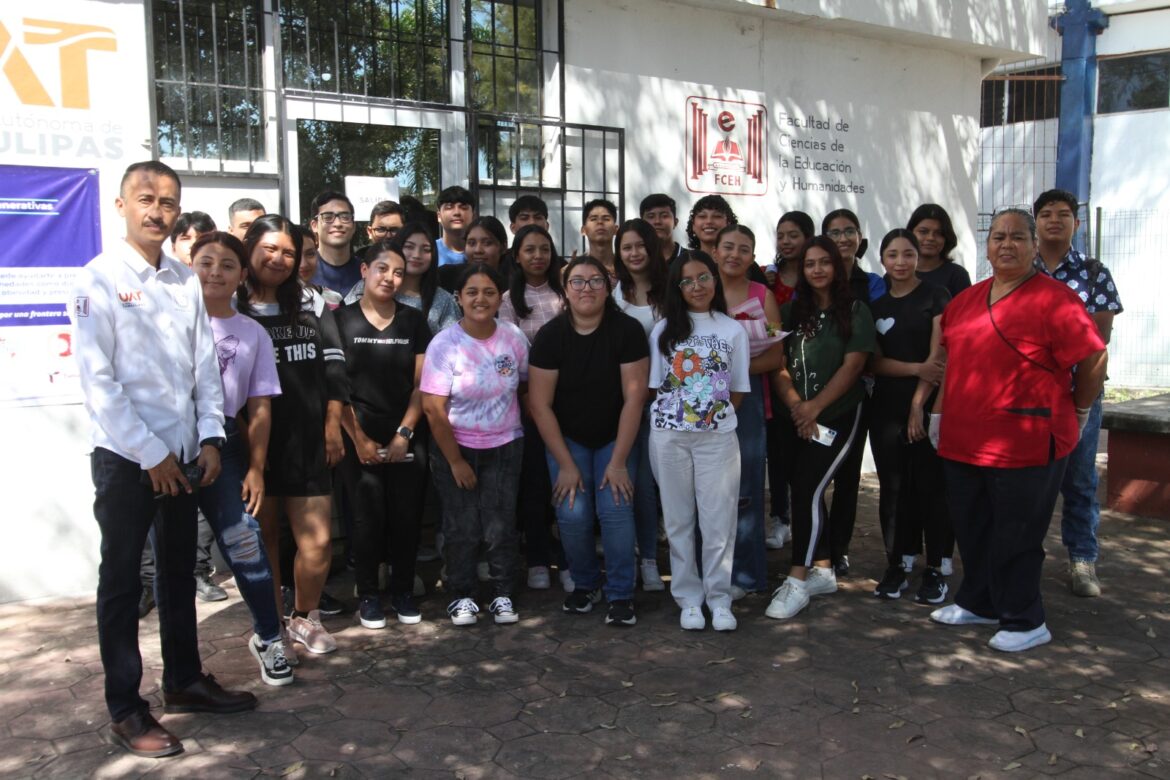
[238,535]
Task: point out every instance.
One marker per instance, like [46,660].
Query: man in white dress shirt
[152,389]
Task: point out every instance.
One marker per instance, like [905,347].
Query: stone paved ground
[853,688]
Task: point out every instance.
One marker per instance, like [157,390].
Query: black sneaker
[403,605]
[933,589]
[207,590]
[288,601]
[841,566]
[329,605]
[370,613]
[621,613]
[893,583]
[581,601]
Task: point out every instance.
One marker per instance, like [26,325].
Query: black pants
[1001,517]
[388,503]
[203,541]
[846,484]
[125,510]
[912,503]
[534,509]
[810,467]
[777,485]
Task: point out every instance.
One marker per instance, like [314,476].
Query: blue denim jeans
[238,535]
[125,509]
[749,568]
[645,494]
[1081,514]
[616,519]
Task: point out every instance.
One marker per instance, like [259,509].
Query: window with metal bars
[1021,96]
[393,49]
[505,56]
[209,79]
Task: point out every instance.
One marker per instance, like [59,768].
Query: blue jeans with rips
[615,517]
[1082,514]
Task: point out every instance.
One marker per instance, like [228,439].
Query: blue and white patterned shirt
[1098,294]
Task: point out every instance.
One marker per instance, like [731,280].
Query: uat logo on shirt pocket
[130,298]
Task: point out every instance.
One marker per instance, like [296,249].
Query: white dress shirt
[146,356]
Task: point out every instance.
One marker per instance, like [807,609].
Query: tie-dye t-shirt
[694,384]
[480,379]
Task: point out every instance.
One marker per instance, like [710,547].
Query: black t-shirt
[588,400]
[951,276]
[380,366]
[904,328]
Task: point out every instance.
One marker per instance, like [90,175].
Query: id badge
[825,435]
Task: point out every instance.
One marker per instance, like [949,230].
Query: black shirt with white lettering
[380,366]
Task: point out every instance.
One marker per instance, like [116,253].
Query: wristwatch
[405,432]
[214,441]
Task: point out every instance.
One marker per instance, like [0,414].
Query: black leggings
[846,484]
[913,500]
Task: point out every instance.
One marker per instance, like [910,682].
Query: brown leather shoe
[143,736]
[206,695]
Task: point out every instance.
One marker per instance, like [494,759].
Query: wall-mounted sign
[366,191]
[727,143]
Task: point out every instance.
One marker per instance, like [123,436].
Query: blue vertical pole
[1079,27]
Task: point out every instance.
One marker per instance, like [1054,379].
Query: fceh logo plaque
[726,147]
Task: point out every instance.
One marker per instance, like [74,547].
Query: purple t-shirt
[247,362]
[480,379]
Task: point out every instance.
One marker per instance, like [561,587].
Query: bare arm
[617,476]
[435,408]
[1104,323]
[259,429]
[542,388]
[914,425]
[773,357]
[1089,379]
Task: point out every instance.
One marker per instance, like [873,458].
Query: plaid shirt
[1099,294]
[545,304]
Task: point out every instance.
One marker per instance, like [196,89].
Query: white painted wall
[213,194]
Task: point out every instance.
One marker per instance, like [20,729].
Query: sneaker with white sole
[821,581]
[954,615]
[538,578]
[691,619]
[779,535]
[463,612]
[933,589]
[1015,641]
[370,613]
[893,583]
[621,613]
[581,601]
[723,620]
[1084,580]
[274,666]
[948,567]
[310,633]
[402,604]
[651,578]
[290,653]
[502,610]
[567,584]
[788,600]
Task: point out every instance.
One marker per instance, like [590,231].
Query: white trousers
[698,472]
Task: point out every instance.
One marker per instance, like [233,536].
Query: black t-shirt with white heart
[903,327]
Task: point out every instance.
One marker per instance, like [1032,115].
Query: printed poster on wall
[49,227]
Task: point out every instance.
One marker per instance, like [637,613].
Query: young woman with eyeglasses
[587,384]
[699,374]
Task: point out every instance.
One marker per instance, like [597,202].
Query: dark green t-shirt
[813,360]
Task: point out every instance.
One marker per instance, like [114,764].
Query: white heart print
[884,324]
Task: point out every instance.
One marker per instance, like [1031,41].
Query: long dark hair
[808,228]
[862,245]
[674,309]
[655,267]
[714,203]
[938,213]
[610,304]
[429,281]
[804,303]
[516,284]
[290,292]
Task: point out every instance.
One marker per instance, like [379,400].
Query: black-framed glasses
[702,280]
[849,232]
[381,230]
[593,282]
[344,217]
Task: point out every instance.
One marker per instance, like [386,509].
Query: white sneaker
[948,567]
[463,612]
[821,581]
[908,563]
[722,619]
[692,619]
[737,593]
[501,607]
[651,579]
[954,615]
[778,535]
[274,668]
[310,633]
[1015,641]
[788,600]
[567,583]
[538,578]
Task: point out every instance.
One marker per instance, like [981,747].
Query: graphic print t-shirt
[247,363]
[694,384]
[480,379]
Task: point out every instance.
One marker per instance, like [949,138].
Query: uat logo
[73,43]
[727,142]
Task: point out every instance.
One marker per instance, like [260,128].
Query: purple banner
[48,216]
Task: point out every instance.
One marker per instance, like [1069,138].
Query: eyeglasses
[593,282]
[702,280]
[848,232]
[379,231]
[344,217]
